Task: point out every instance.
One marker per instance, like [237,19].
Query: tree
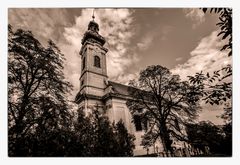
[227,141]
[215,88]
[165,102]
[37,90]
[83,135]
[206,134]
[97,137]
[103,135]
[125,140]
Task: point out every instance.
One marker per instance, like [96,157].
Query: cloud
[179,59]
[206,57]
[211,113]
[165,31]
[125,78]
[41,22]
[196,15]
[115,26]
[146,41]
[148,38]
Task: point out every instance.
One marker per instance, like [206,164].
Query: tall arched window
[97,61]
[83,63]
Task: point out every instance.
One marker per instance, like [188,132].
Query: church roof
[116,90]
[120,88]
[126,91]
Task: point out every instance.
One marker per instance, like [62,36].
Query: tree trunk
[165,138]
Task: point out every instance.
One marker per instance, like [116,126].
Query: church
[96,89]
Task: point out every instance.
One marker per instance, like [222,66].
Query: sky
[183,40]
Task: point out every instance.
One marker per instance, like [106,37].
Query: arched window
[83,63]
[97,61]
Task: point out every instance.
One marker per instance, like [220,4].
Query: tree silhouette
[206,134]
[165,102]
[97,137]
[125,140]
[37,89]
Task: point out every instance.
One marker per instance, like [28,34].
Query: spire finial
[93,15]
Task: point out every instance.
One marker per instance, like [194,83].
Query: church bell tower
[93,68]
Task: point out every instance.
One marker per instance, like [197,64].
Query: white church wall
[119,110]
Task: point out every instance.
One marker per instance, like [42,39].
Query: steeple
[93,67]
[92,34]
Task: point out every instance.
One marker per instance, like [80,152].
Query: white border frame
[130,4]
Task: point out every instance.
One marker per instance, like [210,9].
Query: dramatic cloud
[125,78]
[42,22]
[196,15]
[155,32]
[206,57]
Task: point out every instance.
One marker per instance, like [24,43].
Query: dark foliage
[215,88]
[125,141]
[206,134]
[96,136]
[37,103]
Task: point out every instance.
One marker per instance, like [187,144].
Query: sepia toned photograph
[119,82]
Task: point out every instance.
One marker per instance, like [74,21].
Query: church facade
[96,89]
